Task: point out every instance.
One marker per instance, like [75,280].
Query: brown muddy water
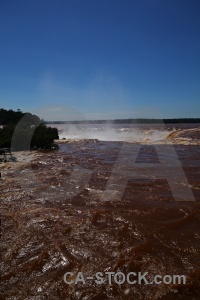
[56,218]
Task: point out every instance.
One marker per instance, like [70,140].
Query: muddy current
[57,217]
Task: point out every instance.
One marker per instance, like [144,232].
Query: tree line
[130,121]
[25,131]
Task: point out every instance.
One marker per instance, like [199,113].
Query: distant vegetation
[29,133]
[130,121]
[7,115]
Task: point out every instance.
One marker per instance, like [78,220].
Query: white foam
[108,133]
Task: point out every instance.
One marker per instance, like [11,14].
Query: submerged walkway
[6,155]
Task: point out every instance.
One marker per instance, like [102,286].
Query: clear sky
[100,59]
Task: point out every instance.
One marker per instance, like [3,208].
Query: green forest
[24,131]
[131,121]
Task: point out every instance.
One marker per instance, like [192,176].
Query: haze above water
[135,133]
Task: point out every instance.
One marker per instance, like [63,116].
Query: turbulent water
[66,211]
[132,133]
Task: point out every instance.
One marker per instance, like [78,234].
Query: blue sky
[100,59]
